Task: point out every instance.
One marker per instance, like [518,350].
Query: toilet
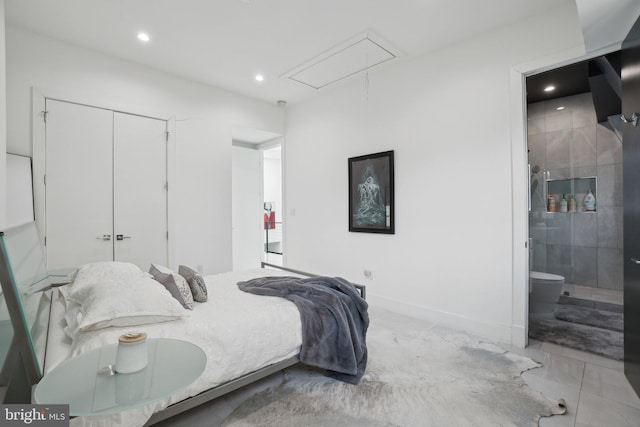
[544,291]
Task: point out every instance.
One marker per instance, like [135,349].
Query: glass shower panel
[570,153]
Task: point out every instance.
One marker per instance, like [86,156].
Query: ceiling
[225,43]
[569,80]
[601,76]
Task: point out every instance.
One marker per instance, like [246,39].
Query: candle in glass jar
[132,354]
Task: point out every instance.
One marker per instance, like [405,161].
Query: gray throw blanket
[334,321]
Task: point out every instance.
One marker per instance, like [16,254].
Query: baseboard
[492,332]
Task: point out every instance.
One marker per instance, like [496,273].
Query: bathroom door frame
[520,181]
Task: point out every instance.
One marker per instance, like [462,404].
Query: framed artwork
[371,193]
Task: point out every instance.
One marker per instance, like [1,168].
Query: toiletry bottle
[590,202]
[551,204]
[572,203]
[563,204]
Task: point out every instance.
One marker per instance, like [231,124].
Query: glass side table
[90,387]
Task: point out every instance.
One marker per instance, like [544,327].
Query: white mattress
[239,332]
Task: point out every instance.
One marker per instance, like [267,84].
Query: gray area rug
[590,317]
[600,341]
[417,376]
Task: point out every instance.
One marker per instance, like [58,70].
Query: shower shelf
[579,187]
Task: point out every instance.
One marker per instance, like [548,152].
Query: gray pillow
[168,281]
[196,283]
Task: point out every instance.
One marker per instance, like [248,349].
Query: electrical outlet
[368,274]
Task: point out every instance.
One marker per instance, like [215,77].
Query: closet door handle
[104,237]
[121,237]
[635,261]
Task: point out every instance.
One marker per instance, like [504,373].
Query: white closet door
[140,193]
[79,214]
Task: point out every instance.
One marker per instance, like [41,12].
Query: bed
[245,336]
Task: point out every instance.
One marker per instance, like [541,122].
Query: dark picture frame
[371,193]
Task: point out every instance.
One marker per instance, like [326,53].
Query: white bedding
[239,332]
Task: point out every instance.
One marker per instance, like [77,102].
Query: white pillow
[115,303]
[98,272]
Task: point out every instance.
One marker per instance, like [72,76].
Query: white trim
[171,192]
[263,146]
[261,239]
[369,35]
[520,232]
[38,135]
[285,214]
[519,337]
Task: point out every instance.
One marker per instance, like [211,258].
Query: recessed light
[259,77]
[143,37]
[549,88]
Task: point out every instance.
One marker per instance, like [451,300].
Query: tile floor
[595,389]
[594,294]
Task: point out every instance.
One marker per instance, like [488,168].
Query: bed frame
[237,383]
[21,370]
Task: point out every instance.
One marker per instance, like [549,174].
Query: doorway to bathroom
[575,160]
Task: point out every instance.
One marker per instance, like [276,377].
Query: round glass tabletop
[90,387]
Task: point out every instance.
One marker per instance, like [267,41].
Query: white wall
[606,22]
[447,117]
[204,117]
[247,208]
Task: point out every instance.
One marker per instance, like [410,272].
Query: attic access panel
[354,56]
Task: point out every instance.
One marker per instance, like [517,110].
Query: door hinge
[166,186]
[45,240]
[167,235]
[166,134]
[44,178]
[44,115]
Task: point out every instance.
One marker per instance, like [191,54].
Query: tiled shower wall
[585,248]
